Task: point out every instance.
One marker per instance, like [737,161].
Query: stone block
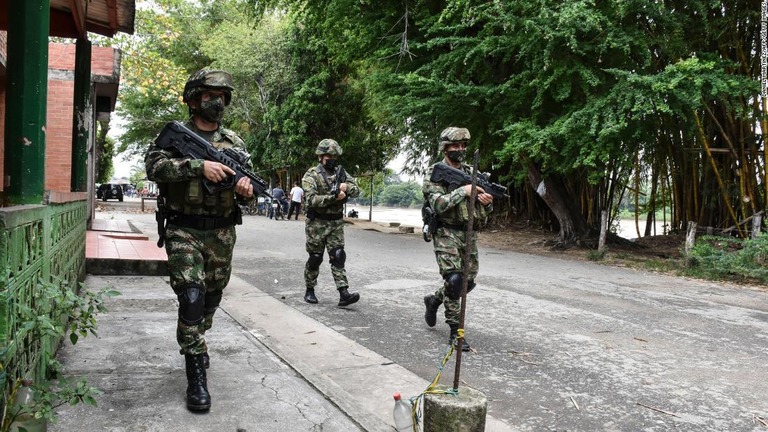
[464,412]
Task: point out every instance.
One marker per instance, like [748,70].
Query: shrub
[725,258]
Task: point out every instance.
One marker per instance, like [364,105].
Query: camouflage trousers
[450,246]
[203,258]
[324,235]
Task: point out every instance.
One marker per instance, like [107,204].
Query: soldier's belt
[335,216]
[203,223]
[459,227]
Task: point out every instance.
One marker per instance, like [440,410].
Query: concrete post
[464,412]
[756,226]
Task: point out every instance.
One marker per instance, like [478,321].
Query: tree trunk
[572,224]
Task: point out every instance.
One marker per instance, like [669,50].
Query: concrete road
[558,345]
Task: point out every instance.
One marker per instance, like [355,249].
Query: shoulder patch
[232,137]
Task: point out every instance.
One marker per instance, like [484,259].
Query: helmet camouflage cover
[329,147]
[451,135]
[208,79]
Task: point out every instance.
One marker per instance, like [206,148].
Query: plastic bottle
[402,415]
[25,419]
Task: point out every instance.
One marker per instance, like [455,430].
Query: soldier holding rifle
[451,212]
[198,198]
[327,187]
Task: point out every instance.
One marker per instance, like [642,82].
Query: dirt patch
[659,253]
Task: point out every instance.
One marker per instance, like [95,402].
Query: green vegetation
[605,106]
[61,311]
[726,258]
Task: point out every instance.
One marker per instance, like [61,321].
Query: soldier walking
[450,240]
[326,188]
[200,232]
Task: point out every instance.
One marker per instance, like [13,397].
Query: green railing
[37,243]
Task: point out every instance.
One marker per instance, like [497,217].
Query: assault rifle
[453,178]
[341,177]
[177,136]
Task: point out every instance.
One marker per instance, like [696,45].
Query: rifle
[454,178]
[341,177]
[177,136]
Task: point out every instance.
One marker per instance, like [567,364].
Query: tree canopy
[574,105]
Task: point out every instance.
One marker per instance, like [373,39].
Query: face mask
[330,164]
[457,155]
[212,110]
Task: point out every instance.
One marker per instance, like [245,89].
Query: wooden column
[82,120]
[26,101]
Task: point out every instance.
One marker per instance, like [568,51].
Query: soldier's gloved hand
[244,187]
[216,171]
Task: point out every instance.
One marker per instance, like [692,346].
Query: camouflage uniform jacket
[317,191]
[181,178]
[452,207]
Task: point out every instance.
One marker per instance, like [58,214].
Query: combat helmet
[451,135]
[329,147]
[208,79]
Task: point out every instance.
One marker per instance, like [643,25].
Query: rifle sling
[321,168]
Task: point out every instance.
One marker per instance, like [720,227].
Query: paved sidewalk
[136,363]
[272,367]
[117,247]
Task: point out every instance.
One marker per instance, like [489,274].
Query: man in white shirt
[297,196]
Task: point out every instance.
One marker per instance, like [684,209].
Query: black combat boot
[198,398]
[346,298]
[309,296]
[453,339]
[432,303]
[206,360]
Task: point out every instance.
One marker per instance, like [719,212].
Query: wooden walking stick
[469,232]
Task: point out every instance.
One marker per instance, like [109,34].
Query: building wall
[61,88]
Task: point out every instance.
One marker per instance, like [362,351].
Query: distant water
[412,217]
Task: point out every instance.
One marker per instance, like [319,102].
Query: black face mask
[457,155]
[330,165]
[212,110]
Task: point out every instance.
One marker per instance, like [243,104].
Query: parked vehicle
[276,208]
[110,191]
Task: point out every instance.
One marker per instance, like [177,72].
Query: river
[412,217]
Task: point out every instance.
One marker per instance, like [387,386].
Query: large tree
[579,99]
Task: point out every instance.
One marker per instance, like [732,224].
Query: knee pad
[470,286]
[337,257]
[212,301]
[314,261]
[191,304]
[453,285]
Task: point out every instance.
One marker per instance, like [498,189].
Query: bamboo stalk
[720,183]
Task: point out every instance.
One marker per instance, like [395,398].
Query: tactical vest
[459,214]
[324,188]
[191,197]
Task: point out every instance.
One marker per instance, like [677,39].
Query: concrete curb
[124,267]
[357,380]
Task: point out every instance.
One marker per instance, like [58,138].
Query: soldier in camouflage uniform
[200,232]
[450,241]
[325,197]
